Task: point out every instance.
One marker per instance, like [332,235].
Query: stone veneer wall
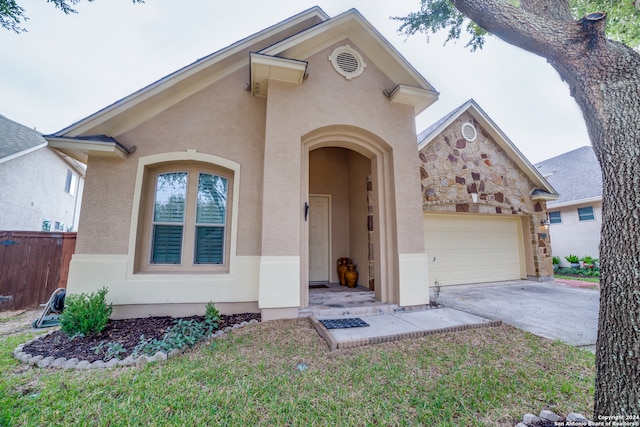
[453,168]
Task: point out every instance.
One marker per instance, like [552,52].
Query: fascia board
[444,125]
[354,26]
[184,82]
[74,148]
[265,68]
[419,98]
[505,143]
[575,202]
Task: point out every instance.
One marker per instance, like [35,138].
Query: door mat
[317,286]
[343,323]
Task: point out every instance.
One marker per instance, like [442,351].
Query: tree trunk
[604,78]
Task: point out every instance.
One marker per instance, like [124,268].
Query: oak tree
[12,15]
[590,43]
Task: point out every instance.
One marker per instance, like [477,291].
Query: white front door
[319,238]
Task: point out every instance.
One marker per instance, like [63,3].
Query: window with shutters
[187,218]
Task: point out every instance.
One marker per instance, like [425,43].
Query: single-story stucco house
[243,177]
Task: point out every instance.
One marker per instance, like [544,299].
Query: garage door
[472,248]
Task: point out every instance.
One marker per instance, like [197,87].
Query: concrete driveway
[547,309]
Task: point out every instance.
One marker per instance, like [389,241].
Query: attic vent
[469,132]
[347,62]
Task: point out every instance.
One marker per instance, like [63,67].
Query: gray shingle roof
[576,175]
[434,127]
[15,137]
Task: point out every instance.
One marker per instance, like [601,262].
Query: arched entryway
[348,193]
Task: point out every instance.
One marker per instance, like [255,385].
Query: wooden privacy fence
[33,264]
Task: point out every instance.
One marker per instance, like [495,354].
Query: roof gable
[17,140]
[471,107]
[283,48]
[351,24]
[173,88]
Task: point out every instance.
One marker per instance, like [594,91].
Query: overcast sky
[67,67]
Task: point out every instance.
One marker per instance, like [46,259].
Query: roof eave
[399,70]
[81,150]
[185,81]
[576,202]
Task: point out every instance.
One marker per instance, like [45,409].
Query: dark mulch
[126,332]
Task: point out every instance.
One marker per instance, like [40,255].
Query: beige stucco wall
[453,168]
[213,121]
[264,138]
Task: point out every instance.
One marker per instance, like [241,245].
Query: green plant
[588,261]
[109,349]
[85,314]
[183,333]
[555,260]
[573,259]
[211,314]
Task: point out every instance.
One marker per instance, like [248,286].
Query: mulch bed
[126,332]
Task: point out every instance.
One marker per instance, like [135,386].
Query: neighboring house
[244,176]
[576,216]
[483,202]
[40,188]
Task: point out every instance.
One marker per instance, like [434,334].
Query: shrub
[85,314]
[573,259]
[211,313]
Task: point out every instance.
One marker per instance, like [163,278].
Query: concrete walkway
[401,325]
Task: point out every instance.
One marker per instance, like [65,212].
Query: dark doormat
[343,323]
[317,286]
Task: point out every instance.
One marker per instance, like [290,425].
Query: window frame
[553,220]
[71,183]
[592,214]
[144,253]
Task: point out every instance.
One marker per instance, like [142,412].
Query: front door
[319,238]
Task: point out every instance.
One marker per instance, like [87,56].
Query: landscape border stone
[74,363]
[546,416]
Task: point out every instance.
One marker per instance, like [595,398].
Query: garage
[473,248]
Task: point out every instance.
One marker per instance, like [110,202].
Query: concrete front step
[326,312]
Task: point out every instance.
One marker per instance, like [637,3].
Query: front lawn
[282,373]
[576,277]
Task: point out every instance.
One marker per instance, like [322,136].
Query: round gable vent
[469,132]
[347,62]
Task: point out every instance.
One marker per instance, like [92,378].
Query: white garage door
[472,248]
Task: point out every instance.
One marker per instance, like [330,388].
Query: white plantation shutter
[210,219]
[168,218]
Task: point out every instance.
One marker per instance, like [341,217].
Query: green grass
[249,378]
[580,278]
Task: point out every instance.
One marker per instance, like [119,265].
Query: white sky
[68,67]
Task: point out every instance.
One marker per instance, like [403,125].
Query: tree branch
[539,32]
[553,9]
